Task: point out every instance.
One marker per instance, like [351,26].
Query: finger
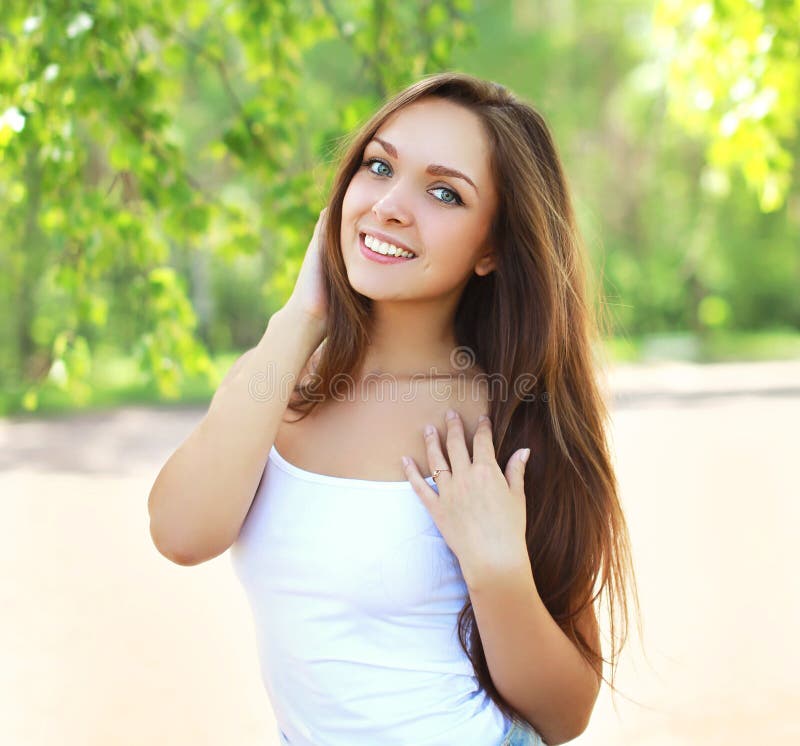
[456,441]
[421,487]
[482,443]
[433,449]
[515,471]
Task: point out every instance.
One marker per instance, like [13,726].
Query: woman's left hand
[479,511]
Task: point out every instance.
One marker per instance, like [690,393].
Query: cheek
[357,197]
[350,212]
[454,242]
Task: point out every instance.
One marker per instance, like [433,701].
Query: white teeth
[387,249]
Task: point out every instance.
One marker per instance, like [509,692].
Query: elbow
[175,555]
[560,737]
[169,550]
[581,726]
[565,735]
[178,545]
[581,722]
[576,728]
[179,558]
[184,557]
[569,731]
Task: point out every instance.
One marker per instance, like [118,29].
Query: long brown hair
[531,317]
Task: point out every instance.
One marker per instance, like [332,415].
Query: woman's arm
[533,664]
[202,494]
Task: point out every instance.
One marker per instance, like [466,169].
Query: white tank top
[355,597]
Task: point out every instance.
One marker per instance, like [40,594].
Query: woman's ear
[485,264]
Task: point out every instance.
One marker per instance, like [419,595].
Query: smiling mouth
[384,248]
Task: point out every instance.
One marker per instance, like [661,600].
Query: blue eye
[456,199]
[369,163]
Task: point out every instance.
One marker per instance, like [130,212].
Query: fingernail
[524,455]
[482,418]
[451,414]
[406,461]
[429,429]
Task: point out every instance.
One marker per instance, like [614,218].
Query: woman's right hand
[309,296]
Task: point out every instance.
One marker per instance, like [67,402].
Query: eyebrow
[434,168]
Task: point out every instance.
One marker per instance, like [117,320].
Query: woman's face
[408,193]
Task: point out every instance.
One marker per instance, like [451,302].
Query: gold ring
[436,473]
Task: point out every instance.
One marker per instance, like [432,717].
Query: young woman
[440,325]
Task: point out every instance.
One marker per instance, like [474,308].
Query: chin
[369,286]
[361,285]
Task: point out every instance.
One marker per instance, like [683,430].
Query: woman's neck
[406,343]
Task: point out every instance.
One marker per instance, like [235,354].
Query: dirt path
[104,642]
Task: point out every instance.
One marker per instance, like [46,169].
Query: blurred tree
[110,195]
[172,159]
[673,251]
[734,80]
[733,84]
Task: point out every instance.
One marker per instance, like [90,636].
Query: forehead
[435,130]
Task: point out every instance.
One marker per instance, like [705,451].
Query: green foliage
[142,143]
[162,165]
[734,80]
[673,252]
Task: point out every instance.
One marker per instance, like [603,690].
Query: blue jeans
[522,735]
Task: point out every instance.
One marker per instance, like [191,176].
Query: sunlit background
[162,165]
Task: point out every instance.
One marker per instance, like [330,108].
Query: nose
[389,209]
